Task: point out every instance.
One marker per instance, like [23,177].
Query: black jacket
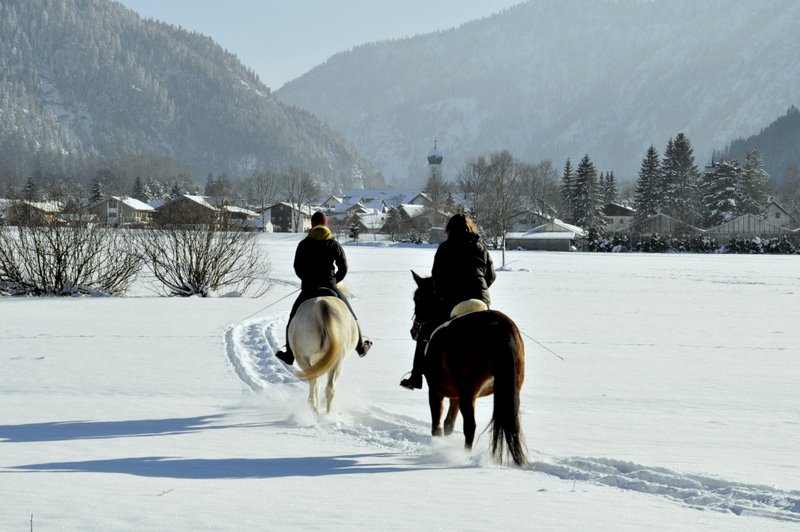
[462,269]
[319,261]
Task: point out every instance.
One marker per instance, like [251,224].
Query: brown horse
[474,355]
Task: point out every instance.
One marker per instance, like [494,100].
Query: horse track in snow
[251,345]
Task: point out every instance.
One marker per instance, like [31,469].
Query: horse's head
[427,305]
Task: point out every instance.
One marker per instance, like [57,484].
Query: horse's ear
[417,278]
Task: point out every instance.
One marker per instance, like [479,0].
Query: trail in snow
[251,345]
[701,492]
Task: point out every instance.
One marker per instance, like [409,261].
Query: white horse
[322,333]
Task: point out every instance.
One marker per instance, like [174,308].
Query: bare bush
[198,259]
[52,259]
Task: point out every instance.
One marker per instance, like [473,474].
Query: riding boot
[414,381]
[285,355]
[362,348]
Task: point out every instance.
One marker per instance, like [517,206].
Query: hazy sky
[283,39]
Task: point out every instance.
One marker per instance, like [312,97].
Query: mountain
[778,143]
[564,78]
[88,79]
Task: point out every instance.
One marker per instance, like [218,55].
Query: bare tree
[300,188]
[473,183]
[506,199]
[52,259]
[263,187]
[198,259]
[437,190]
[542,187]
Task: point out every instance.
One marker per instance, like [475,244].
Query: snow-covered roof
[240,210]
[133,203]
[391,197]
[412,211]
[202,200]
[44,206]
[556,225]
[548,235]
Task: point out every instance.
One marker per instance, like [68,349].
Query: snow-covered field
[676,405]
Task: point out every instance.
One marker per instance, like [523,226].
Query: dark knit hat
[319,218]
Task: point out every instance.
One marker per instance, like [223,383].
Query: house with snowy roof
[121,210]
[24,212]
[188,209]
[617,216]
[554,235]
[287,217]
[777,215]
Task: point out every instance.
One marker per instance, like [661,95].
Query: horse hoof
[436,432]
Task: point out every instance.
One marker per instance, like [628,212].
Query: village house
[187,209]
[775,214]
[24,212]
[288,218]
[617,216]
[554,235]
[122,210]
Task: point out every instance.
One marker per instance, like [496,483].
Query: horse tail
[328,336]
[508,362]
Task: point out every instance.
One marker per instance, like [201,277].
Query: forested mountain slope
[82,80]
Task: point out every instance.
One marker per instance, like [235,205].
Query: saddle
[462,309]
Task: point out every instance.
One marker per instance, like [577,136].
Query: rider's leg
[362,347]
[285,355]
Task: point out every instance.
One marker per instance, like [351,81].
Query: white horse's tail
[327,333]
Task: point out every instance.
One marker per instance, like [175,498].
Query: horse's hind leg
[468,413]
[330,389]
[435,402]
[313,399]
[450,419]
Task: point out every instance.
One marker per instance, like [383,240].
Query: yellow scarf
[320,232]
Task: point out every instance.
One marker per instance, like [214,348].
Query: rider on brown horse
[462,269]
[320,263]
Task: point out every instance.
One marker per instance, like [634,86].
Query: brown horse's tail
[508,375]
[327,332]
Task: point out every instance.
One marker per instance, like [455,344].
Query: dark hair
[460,224]
[318,218]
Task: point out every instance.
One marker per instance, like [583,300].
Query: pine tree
[30,191]
[588,200]
[753,185]
[98,191]
[138,191]
[392,223]
[211,187]
[610,192]
[567,192]
[646,198]
[681,178]
[719,188]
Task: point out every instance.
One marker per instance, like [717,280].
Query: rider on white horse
[320,263]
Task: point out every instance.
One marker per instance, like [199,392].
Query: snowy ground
[675,406]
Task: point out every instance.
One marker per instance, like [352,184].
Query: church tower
[435,163]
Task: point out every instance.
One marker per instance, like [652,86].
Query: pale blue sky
[283,39]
